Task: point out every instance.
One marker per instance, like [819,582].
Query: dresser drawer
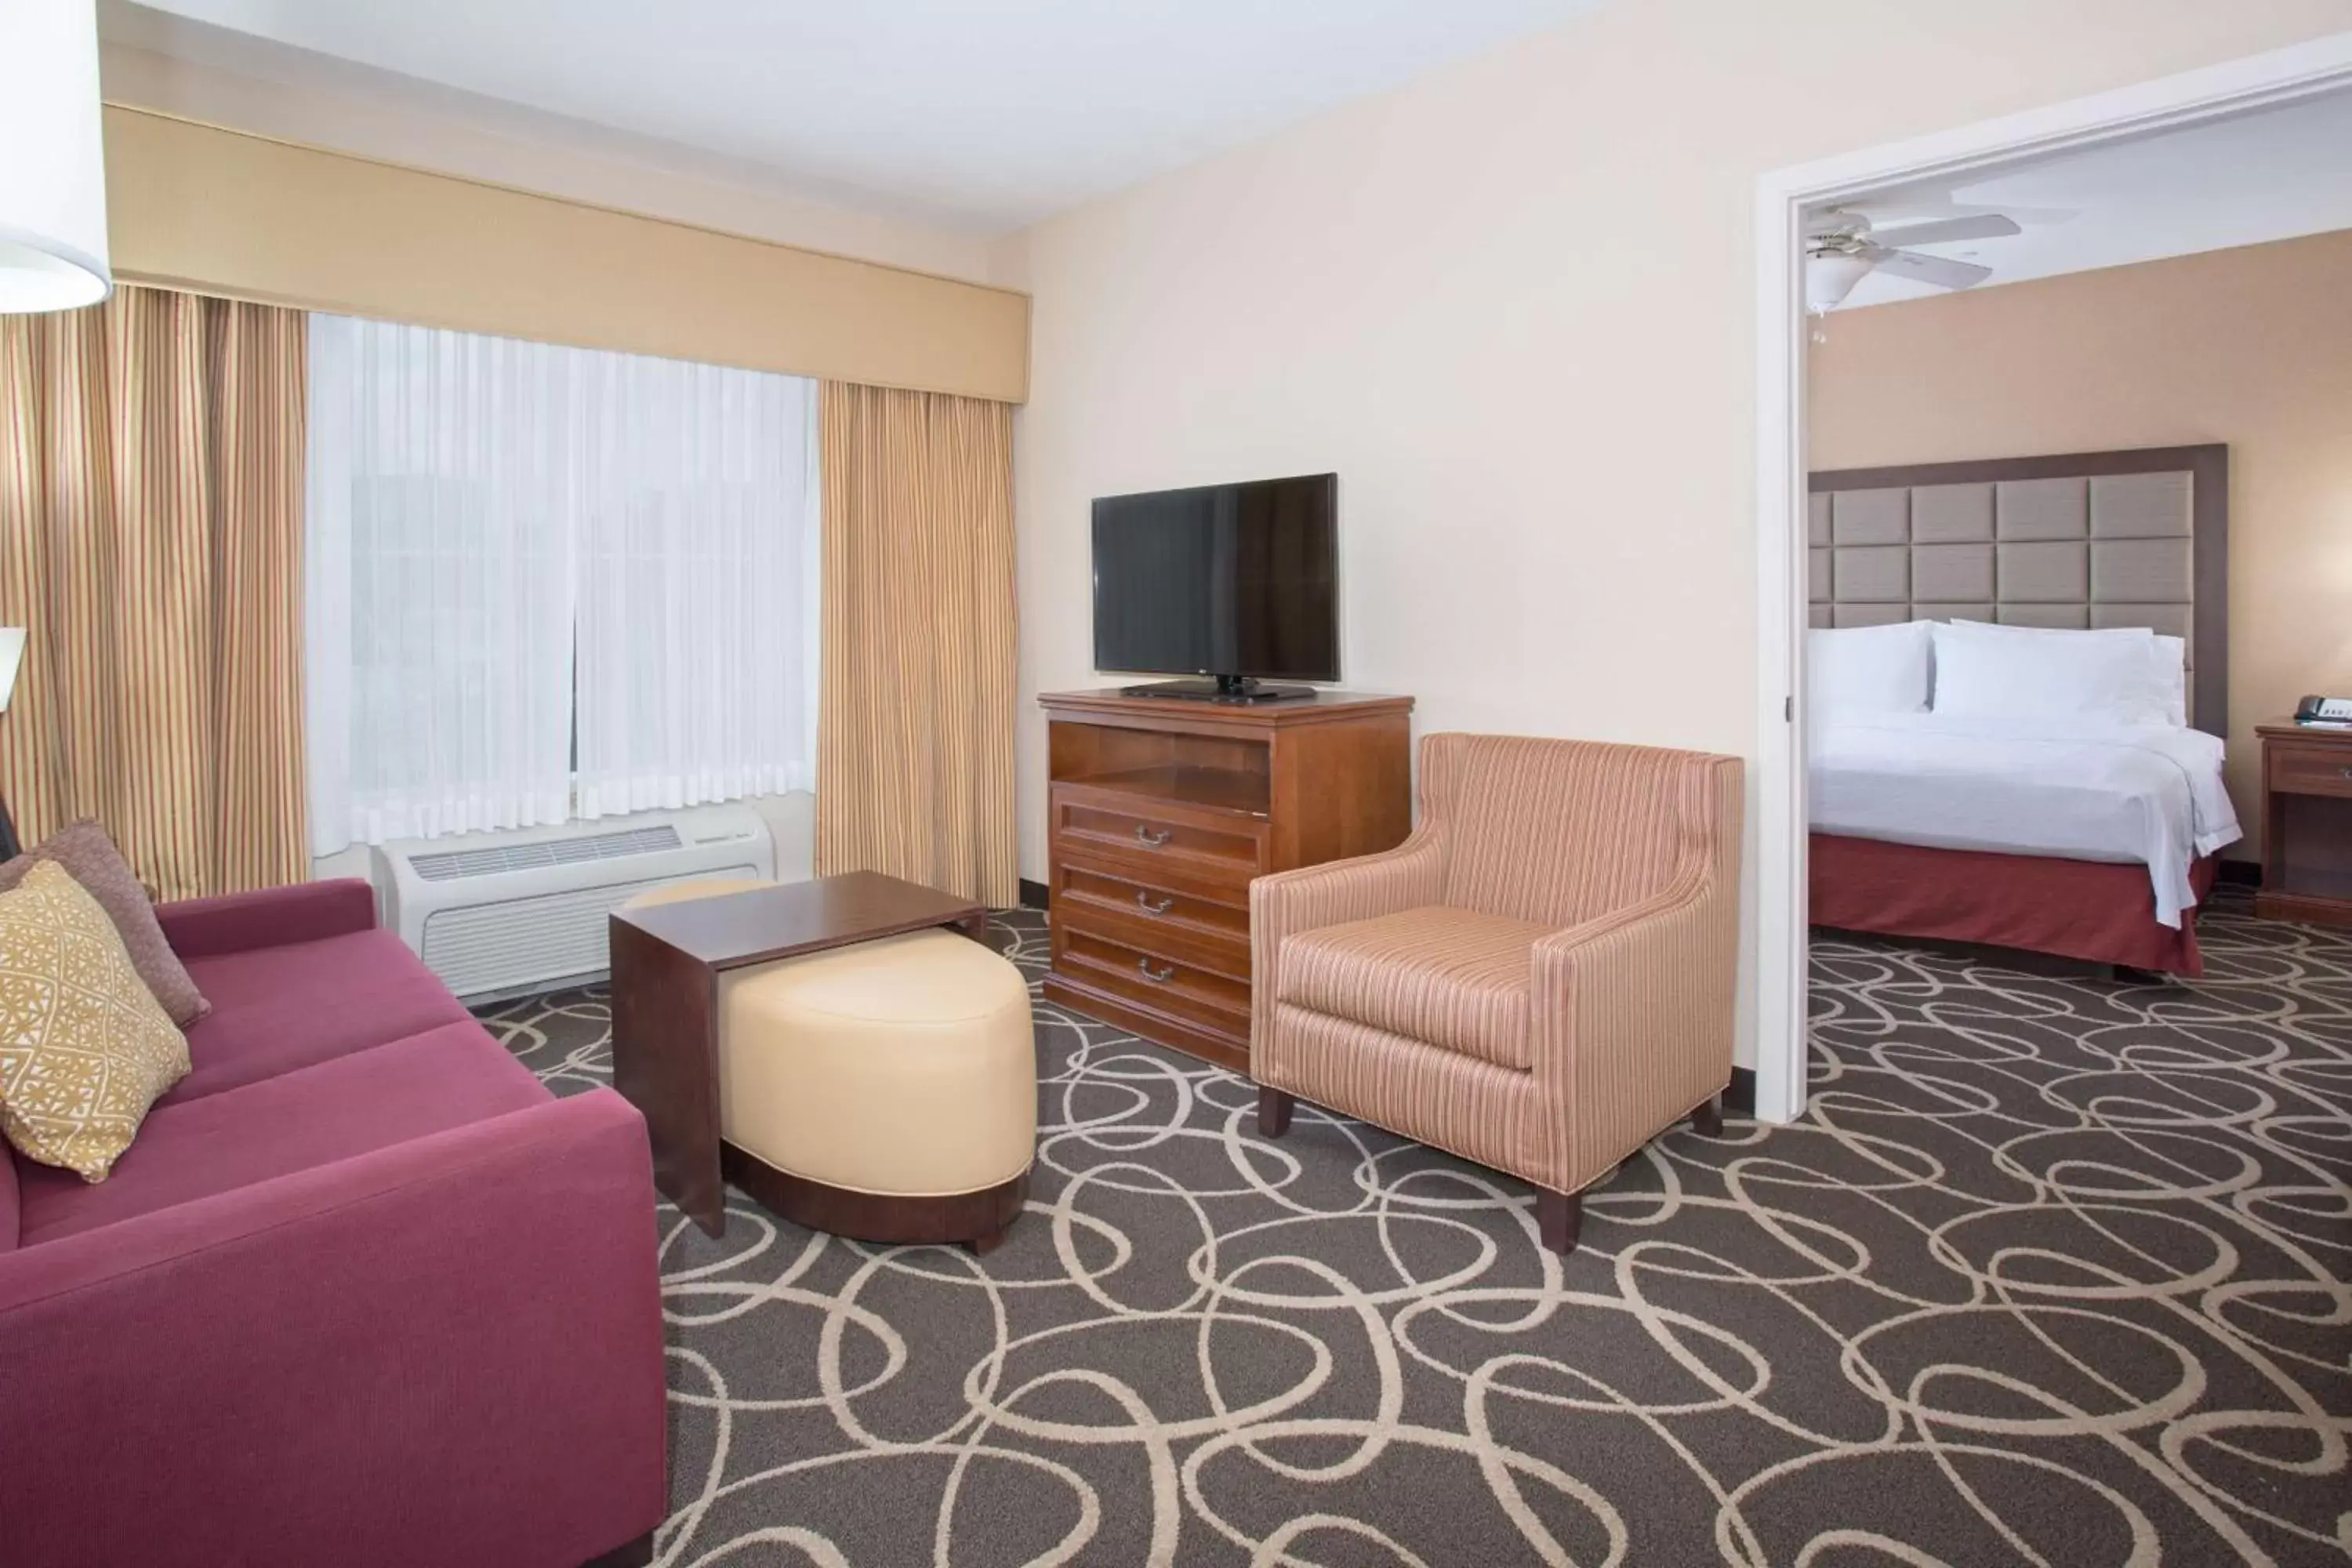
[1219,956]
[1097,958]
[1225,848]
[1157,911]
[2309,769]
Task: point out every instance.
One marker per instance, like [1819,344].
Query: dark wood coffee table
[666,959]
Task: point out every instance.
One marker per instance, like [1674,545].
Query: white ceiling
[983,114]
[2272,175]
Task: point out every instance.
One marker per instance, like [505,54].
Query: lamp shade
[52,158]
[1831,277]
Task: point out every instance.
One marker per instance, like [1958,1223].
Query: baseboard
[1739,1099]
[2240,873]
[1033,894]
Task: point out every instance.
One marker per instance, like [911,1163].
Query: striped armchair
[1540,979]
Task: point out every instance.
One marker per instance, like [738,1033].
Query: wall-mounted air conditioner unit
[503,914]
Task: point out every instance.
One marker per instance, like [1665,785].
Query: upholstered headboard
[2082,539]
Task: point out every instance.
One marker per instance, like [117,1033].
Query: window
[547,581]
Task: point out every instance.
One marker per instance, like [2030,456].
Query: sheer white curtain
[547,582]
[440,581]
[696,584]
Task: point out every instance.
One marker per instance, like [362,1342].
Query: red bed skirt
[2095,910]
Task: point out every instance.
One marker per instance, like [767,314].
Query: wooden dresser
[2307,824]
[1161,813]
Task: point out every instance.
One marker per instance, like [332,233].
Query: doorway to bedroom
[2037,399]
[2066,396]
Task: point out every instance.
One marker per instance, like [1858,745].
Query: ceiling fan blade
[1935,269]
[1979,225]
[1899,211]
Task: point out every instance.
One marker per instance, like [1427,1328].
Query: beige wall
[2253,347]
[1513,305]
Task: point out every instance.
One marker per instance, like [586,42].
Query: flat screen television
[1238,582]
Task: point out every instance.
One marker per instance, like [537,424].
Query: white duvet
[2079,790]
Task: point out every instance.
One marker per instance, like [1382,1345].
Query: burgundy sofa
[363,1292]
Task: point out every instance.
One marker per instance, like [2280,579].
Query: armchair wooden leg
[1708,1120]
[1273,1109]
[1559,1217]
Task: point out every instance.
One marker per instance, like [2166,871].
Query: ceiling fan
[1842,249]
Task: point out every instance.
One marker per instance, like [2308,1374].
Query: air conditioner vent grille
[530,943]
[498,860]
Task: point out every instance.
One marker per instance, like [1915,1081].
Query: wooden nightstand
[2307,824]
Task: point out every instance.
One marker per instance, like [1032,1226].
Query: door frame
[2260,81]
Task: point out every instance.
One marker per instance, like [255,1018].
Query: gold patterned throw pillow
[84,1048]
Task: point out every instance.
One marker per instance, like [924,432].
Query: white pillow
[1856,671]
[2170,691]
[2112,676]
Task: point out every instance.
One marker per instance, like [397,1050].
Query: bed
[2089,838]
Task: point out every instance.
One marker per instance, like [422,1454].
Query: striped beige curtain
[151,534]
[915,724]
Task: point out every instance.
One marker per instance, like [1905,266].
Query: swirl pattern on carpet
[2053,1271]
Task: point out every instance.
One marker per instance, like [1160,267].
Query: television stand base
[1222,689]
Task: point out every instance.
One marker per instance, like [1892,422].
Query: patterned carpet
[2053,1272]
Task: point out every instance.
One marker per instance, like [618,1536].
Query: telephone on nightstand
[2331,712]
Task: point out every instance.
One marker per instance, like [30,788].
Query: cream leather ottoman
[886,1091]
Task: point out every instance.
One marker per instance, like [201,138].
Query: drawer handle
[2344,772]
[1159,976]
[1150,906]
[1153,837]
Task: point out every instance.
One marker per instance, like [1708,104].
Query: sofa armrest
[235,923]
[1632,1015]
[1286,902]
[447,1352]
